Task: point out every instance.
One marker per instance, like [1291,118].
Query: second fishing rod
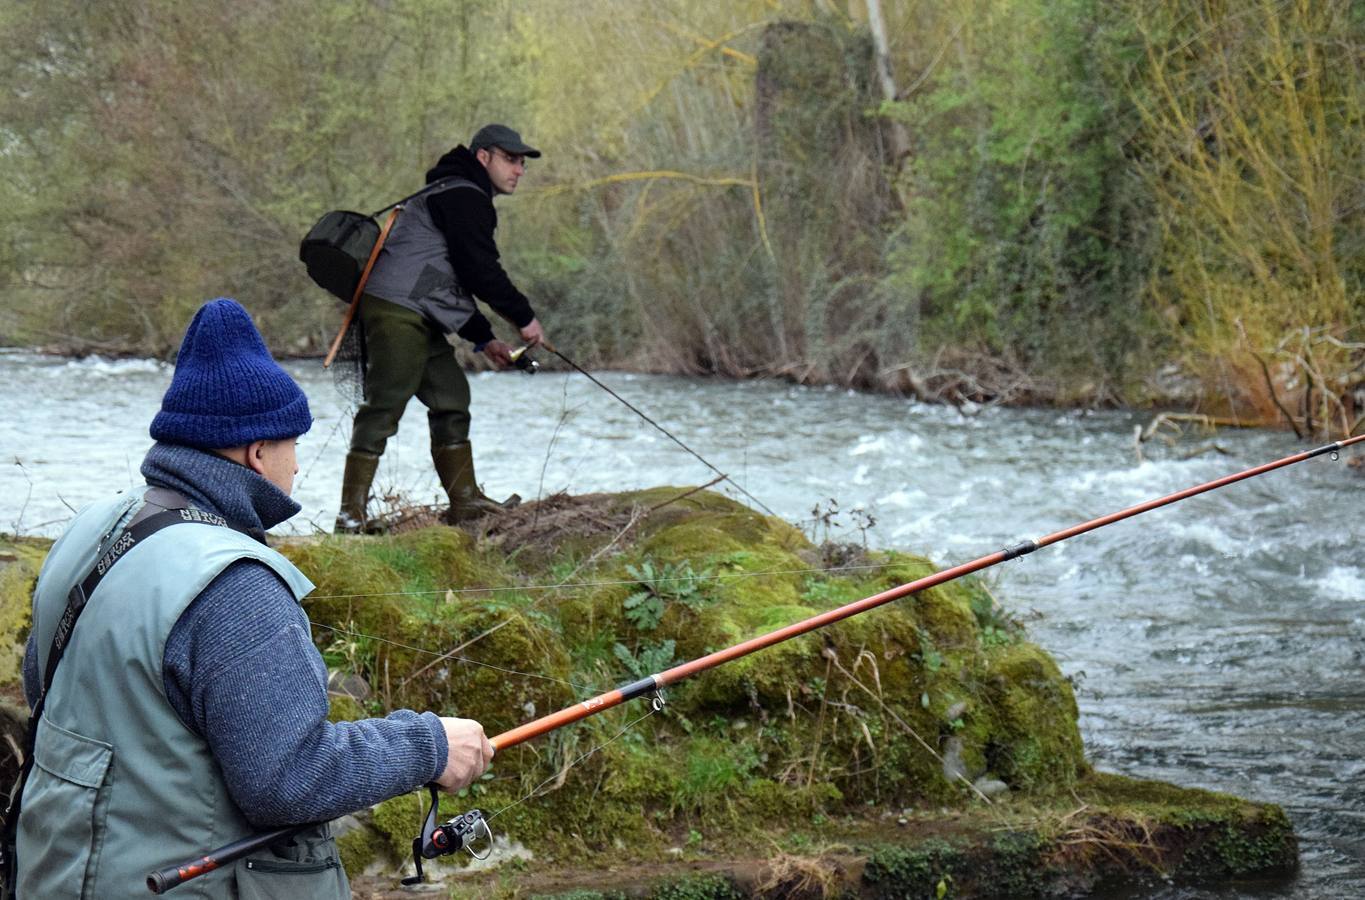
[662,430]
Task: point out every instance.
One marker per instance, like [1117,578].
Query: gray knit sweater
[241,671]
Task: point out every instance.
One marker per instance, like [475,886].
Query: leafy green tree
[1026,236]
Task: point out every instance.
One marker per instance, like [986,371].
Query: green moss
[1034,742]
[1161,802]
[1018,864]
[395,823]
[360,848]
[20,561]
[345,709]
[1243,849]
[697,887]
[365,587]
[894,871]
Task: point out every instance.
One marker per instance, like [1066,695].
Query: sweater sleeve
[241,671]
[467,219]
[477,330]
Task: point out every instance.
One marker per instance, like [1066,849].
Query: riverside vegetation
[924,749]
[1064,201]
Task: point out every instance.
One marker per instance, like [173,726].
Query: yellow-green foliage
[1034,199]
[1252,115]
[20,560]
[856,713]
[1120,824]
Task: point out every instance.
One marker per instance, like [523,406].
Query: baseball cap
[504,137]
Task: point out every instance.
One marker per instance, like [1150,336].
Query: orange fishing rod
[460,832]
[654,683]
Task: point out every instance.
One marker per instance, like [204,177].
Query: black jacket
[468,220]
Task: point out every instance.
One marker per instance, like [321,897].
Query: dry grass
[800,877]
[557,518]
[1085,834]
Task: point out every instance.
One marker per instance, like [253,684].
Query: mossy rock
[386,609]
[1209,836]
[1111,836]
[20,561]
[854,714]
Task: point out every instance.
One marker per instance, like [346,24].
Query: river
[1217,643]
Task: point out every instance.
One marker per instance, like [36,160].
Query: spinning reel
[459,833]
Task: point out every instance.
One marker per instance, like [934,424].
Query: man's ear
[255,460]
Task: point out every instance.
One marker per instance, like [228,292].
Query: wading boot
[455,468]
[355,493]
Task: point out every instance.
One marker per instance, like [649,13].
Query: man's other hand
[533,334]
[499,352]
[468,756]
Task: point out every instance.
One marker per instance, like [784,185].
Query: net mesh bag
[348,368]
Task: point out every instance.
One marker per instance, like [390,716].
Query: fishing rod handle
[162,880]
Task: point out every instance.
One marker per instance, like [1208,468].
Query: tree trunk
[900,141]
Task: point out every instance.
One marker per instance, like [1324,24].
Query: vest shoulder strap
[438,185]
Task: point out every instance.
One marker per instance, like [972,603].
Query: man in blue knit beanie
[188,708]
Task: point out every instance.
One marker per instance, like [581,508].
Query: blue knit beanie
[227,390]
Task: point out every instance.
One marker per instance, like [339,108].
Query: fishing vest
[414,270]
[120,787]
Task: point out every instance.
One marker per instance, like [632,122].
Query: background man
[438,257]
[190,706]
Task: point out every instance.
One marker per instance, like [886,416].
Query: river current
[1217,643]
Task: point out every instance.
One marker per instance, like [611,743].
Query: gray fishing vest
[413,269]
[120,787]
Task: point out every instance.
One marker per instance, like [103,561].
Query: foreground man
[439,256]
[190,706]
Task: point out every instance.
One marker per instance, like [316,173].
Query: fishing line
[565,769]
[585,373]
[554,436]
[341,420]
